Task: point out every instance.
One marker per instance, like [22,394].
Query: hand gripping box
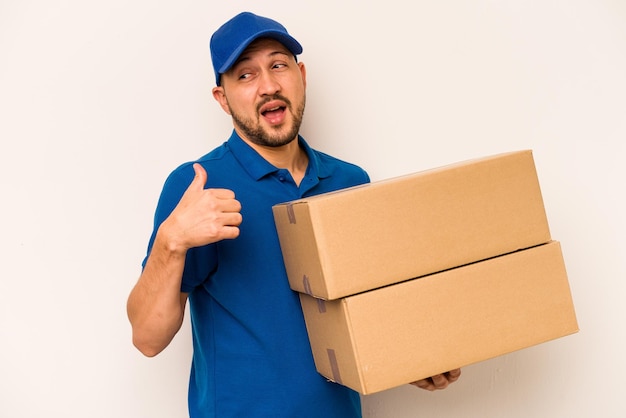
[401,333]
[342,243]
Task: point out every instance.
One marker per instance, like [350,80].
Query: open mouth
[274,113]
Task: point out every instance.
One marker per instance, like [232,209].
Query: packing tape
[321,305]
[307,285]
[291,214]
[334,366]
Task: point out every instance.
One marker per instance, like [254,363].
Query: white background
[99,101]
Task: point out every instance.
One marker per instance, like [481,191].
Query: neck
[289,157]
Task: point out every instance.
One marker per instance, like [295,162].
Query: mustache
[273,97]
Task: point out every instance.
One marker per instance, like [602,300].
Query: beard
[274,136]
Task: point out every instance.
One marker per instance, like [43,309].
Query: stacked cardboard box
[409,277]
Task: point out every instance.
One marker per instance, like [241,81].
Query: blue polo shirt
[251,352]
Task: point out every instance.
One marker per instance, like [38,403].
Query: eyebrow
[244,57]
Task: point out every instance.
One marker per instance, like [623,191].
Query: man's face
[264,92]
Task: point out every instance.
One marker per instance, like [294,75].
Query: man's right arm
[156,305]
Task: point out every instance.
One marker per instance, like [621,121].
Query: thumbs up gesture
[203,216]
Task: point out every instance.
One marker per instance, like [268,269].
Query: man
[215,244]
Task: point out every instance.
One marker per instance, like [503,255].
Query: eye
[279,65]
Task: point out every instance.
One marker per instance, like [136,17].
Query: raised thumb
[199,181]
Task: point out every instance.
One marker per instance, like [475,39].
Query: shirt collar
[258,167]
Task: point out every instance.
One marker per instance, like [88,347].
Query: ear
[302,72]
[220,96]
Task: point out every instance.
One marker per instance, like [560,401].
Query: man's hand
[203,216]
[440,381]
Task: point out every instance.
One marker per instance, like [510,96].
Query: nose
[268,84]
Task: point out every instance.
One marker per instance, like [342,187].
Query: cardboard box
[342,243]
[405,332]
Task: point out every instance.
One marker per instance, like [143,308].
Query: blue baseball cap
[234,36]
